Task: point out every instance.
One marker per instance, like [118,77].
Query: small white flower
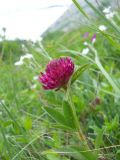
[18,63]
[102,27]
[85,51]
[33,86]
[23,46]
[35,77]
[85,43]
[107,10]
[110,15]
[27,56]
[2,101]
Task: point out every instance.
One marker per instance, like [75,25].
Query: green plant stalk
[6,144]
[76,120]
[99,65]
[78,129]
[106,75]
[80,8]
[45,53]
[3,48]
[80,134]
[77,124]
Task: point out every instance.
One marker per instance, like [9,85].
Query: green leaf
[68,114]
[57,116]
[118,154]
[28,123]
[53,155]
[99,138]
[7,123]
[111,40]
[113,125]
[80,8]
[86,153]
[107,76]
[78,153]
[78,72]
[115,122]
[62,127]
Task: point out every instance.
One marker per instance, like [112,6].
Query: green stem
[79,131]
[104,72]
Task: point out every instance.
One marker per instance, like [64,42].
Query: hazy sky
[27,19]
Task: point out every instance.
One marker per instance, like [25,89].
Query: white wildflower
[26,56]
[23,46]
[21,61]
[18,63]
[85,43]
[35,77]
[2,101]
[102,27]
[110,15]
[33,86]
[85,51]
[107,10]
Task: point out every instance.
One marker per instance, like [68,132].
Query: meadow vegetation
[78,123]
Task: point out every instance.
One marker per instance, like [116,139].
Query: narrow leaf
[68,114]
[99,138]
[110,39]
[80,8]
[57,116]
[110,80]
[78,72]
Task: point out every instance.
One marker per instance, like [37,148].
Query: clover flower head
[57,73]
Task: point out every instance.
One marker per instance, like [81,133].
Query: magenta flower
[93,39]
[57,73]
[86,35]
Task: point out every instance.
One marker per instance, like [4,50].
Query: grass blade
[80,8]
[78,72]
